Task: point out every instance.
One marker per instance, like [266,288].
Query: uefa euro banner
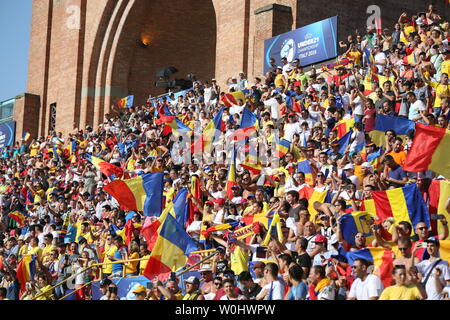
[7,134]
[310,44]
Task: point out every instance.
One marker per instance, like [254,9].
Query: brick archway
[181,35]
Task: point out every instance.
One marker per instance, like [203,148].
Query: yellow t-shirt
[440,89]
[409,292]
[239,260]
[36,251]
[279,80]
[131,267]
[356,56]
[47,249]
[408,30]
[109,252]
[34,149]
[445,67]
[143,264]
[47,295]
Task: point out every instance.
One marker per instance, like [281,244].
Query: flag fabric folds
[108,169]
[232,98]
[126,102]
[344,126]
[400,125]
[231,179]
[26,270]
[171,250]
[354,223]
[205,141]
[381,258]
[143,193]
[282,147]
[18,217]
[439,193]
[220,227]
[429,151]
[403,204]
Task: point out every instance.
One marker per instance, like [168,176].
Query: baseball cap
[220,201]
[205,268]
[366,165]
[140,289]
[320,239]
[432,240]
[192,280]
[259,264]
[291,114]
[349,167]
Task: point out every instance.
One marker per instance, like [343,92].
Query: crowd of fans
[42,179]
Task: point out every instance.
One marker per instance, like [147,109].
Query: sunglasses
[217,283]
[422,228]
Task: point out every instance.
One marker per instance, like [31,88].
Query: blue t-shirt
[298,292]
[120,254]
[398,174]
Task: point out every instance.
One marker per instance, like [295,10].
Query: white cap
[349,166]
[367,165]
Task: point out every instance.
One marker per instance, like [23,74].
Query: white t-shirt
[378,58]
[225,297]
[424,268]
[274,107]
[414,109]
[364,290]
[275,290]
[290,129]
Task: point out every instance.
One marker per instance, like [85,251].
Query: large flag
[345,141]
[400,125]
[232,98]
[126,102]
[171,250]
[108,169]
[231,179]
[174,125]
[429,151]
[152,226]
[26,270]
[143,193]
[439,193]
[305,167]
[252,163]
[19,217]
[261,218]
[354,223]
[381,258]
[312,196]
[181,206]
[403,204]
[411,59]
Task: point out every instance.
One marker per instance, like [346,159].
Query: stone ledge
[274,7]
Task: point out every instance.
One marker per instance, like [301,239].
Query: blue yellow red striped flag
[143,193]
[126,102]
[26,136]
[305,167]
[171,250]
[231,179]
[26,270]
[282,147]
[403,204]
[232,98]
[108,169]
[400,125]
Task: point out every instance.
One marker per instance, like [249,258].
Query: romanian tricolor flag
[429,151]
[381,258]
[249,125]
[181,206]
[232,98]
[261,218]
[26,270]
[196,193]
[18,217]
[26,136]
[439,193]
[220,227]
[369,56]
[108,169]
[344,126]
[312,196]
[403,204]
[205,141]
[126,102]
[152,226]
[357,222]
[411,59]
[305,167]
[400,125]
[231,179]
[143,193]
[252,164]
[171,250]
[282,147]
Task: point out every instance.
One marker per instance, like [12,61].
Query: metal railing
[212,251]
